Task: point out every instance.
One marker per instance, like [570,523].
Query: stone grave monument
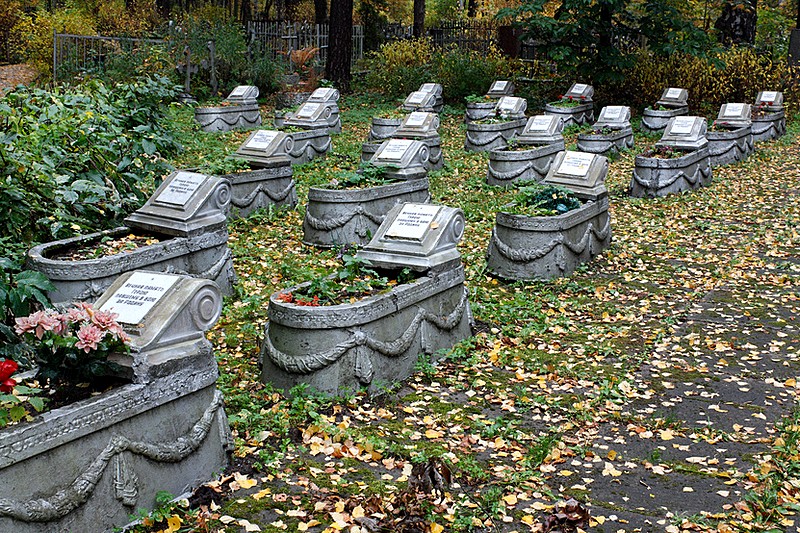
[529,155]
[610,134]
[545,247]
[269,182]
[673,103]
[680,161]
[88,466]
[731,138]
[420,101]
[321,110]
[769,118]
[241,112]
[575,107]
[404,158]
[340,348]
[436,90]
[506,121]
[186,218]
[484,108]
[423,127]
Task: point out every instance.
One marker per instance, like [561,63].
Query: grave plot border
[523,247]
[335,217]
[507,167]
[228,118]
[730,146]
[486,137]
[654,177]
[598,143]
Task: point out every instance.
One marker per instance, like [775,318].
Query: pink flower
[38,322]
[105,319]
[88,337]
[77,314]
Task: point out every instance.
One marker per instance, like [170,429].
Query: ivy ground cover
[656,386]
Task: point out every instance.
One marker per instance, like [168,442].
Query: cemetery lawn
[656,385]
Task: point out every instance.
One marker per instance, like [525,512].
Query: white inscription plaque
[307,110]
[540,123]
[769,96]
[575,164]
[733,110]
[417,97]
[413,221]
[612,112]
[498,86]
[672,92]
[416,119]
[238,91]
[395,149]
[322,93]
[138,295]
[682,126]
[578,88]
[428,87]
[262,139]
[181,188]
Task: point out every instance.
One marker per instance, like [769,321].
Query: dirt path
[13,75]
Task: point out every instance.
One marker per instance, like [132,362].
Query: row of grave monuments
[333,348]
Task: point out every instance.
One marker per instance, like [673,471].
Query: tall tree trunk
[340,44]
[472,8]
[737,23]
[320,11]
[419,18]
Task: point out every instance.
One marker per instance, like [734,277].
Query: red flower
[7,368]
[286,297]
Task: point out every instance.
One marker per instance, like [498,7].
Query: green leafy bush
[21,292]
[402,66]
[734,75]
[233,66]
[78,159]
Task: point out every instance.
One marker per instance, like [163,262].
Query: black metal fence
[89,53]
[280,38]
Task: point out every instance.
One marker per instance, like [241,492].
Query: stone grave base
[89,466]
[478,111]
[335,217]
[729,146]
[507,167]
[654,121]
[524,247]
[308,145]
[382,129]
[654,176]
[256,189]
[228,118]
[204,256]
[486,137]
[369,343]
[768,127]
[603,144]
[578,115]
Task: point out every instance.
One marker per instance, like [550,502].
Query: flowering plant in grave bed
[569,101]
[354,281]
[74,346]
[662,152]
[536,200]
